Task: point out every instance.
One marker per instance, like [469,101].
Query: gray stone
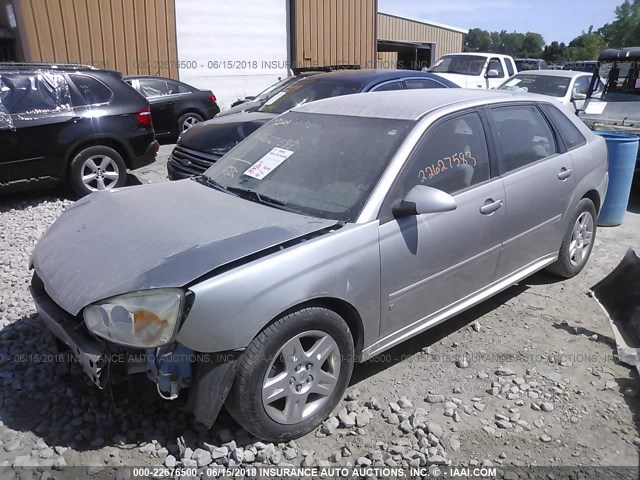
[362,420]
[203,457]
[329,426]
[435,399]
[547,407]
[436,429]
[170,461]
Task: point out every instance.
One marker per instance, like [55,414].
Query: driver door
[429,262]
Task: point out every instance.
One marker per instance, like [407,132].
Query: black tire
[564,266]
[115,166]
[245,403]
[184,118]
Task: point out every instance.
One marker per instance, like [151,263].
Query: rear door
[37,119]
[538,181]
[430,262]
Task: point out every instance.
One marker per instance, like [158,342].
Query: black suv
[73,124]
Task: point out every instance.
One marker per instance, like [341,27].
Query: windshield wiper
[261,198]
[210,182]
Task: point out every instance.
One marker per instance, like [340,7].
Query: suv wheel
[578,241]
[292,375]
[187,121]
[97,168]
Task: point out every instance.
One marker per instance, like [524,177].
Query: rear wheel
[292,375]
[97,168]
[188,120]
[578,241]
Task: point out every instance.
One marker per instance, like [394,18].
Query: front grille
[192,162]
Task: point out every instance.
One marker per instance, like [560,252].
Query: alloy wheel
[581,239]
[189,122]
[100,172]
[301,377]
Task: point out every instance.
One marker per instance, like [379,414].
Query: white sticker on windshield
[513,83]
[595,108]
[274,98]
[638,83]
[268,163]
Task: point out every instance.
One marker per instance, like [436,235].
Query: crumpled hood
[155,236]
[219,135]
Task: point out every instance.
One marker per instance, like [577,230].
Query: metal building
[233,47]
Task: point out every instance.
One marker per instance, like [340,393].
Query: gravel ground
[527,378]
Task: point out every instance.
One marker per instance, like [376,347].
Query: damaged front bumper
[172,368]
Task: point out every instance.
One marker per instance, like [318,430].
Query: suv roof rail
[53,66]
[325,68]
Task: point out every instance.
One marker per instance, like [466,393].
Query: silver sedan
[331,234]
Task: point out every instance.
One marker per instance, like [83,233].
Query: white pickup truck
[475,70]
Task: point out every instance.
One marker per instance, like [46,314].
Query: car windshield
[541,84]
[306,91]
[460,64]
[318,165]
[621,76]
[530,65]
[275,88]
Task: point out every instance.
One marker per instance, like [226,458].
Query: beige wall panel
[131,36]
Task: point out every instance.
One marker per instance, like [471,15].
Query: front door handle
[565,173]
[491,206]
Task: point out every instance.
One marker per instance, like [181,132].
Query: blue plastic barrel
[623,150]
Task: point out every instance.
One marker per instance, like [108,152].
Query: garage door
[232,47]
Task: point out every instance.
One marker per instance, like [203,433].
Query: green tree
[624,31]
[556,52]
[477,40]
[532,45]
[586,46]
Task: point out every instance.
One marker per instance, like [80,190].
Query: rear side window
[92,91]
[568,131]
[151,87]
[24,93]
[419,83]
[387,87]
[524,136]
[451,157]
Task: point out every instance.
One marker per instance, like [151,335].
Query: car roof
[408,104]
[620,54]
[556,73]
[369,76]
[479,54]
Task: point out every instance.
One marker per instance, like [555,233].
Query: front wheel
[292,375]
[578,241]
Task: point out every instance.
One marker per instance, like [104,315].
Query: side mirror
[493,74]
[422,199]
[579,96]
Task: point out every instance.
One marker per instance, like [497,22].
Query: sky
[560,20]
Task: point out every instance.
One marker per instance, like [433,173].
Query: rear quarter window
[92,91]
[568,131]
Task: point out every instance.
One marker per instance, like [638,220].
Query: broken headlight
[145,319]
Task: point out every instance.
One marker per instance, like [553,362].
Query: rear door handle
[565,173]
[491,206]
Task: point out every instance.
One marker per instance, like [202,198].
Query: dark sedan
[175,106]
[201,146]
[251,104]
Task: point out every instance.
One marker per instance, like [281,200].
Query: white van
[475,70]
